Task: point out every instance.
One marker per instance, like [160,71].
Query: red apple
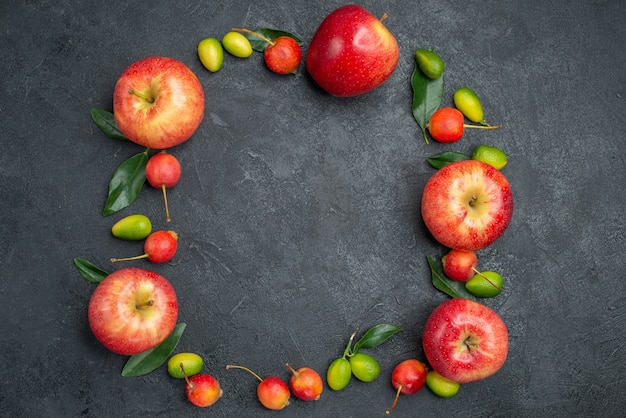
[158,102]
[467,205]
[465,341]
[133,310]
[351,52]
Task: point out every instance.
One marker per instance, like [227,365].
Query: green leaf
[427,97]
[106,122]
[444,283]
[259,44]
[143,363]
[126,183]
[90,271]
[440,160]
[375,336]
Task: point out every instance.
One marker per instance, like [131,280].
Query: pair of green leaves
[130,176]
[259,44]
[373,337]
[150,360]
[427,97]
[444,283]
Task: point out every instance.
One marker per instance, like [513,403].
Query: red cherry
[408,377]
[273,392]
[283,55]
[203,390]
[163,172]
[460,265]
[159,247]
[305,383]
[446,125]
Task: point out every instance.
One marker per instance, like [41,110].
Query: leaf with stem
[126,183]
[105,121]
[441,160]
[89,271]
[259,44]
[427,97]
[375,336]
[143,363]
[444,283]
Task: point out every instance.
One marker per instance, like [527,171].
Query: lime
[133,227]
[486,284]
[364,367]
[191,362]
[237,45]
[211,54]
[441,386]
[338,374]
[468,103]
[490,155]
[429,63]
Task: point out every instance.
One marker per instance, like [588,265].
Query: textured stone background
[299,212]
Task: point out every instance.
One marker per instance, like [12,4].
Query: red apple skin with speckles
[351,52]
[467,205]
[465,341]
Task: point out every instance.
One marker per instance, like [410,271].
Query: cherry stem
[167,209]
[395,401]
[465,125]
[485,277]
[232,366]
[258,35]
[185,374]
[295,372]
[137,257]
[141,95]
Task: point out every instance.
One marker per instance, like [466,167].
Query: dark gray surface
[299,213]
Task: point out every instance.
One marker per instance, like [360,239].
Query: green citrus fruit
[364,367]
[441,386]
[192,363]
[490,155]
[429,63]
[133,227]
[211,54]
[486,284]
[338,374]
[237,45]
[469,104]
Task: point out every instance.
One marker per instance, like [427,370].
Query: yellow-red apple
[467,205]
[133,310]
[351,52]
[465,341]
[158,102]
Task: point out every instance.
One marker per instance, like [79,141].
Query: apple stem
[465,125]
[395,401]
[258,35]
[137,257]
[472,202]
[167,210]
[383,17]
[141,95]
[485,277]
[143,305]
[232,366]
